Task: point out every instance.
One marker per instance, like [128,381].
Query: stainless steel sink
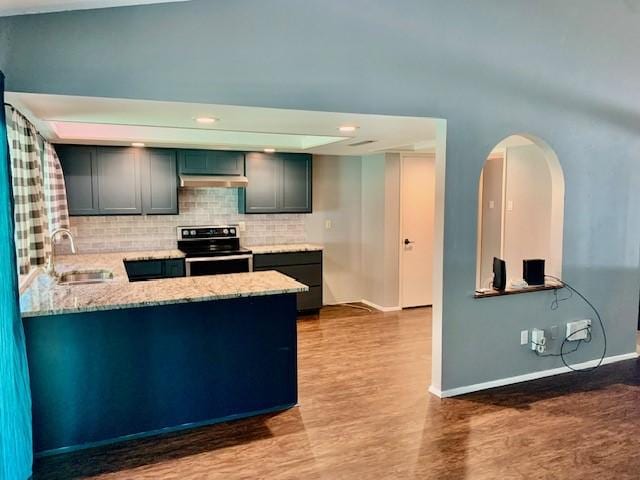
[85,276]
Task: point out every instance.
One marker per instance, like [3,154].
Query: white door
[418,185]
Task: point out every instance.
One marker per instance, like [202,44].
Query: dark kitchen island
[104,370]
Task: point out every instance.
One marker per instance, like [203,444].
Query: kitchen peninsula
[120,359]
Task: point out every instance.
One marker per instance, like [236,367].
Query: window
[520,209]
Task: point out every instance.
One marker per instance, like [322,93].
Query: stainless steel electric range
[215,249]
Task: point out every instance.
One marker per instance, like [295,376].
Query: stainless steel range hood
[213,181]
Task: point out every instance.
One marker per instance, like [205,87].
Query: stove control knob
[193,232]
[225,231]
[185,233]
[232,231]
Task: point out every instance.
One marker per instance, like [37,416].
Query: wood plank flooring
[365,413]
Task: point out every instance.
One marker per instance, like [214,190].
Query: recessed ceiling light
[206,120]
[137,144]
[347,128]
[269,150]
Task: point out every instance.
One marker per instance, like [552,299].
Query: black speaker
[533,271]
[499,274]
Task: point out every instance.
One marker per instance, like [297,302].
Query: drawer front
[144,269]
[311,300]
[284,259]
[174,268]
[310,275]
[153,269]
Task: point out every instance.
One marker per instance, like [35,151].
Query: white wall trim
[526,377]
[380,307]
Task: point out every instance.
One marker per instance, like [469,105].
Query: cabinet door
[262,194]
[194,162]
[211,162]
[119,181]
[296,183]
[227,163]
[79,166]
[159,182]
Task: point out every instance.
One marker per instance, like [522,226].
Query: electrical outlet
[327,224]
[524,337]
[578,330]
[554,332]
[242,226]
[538,340]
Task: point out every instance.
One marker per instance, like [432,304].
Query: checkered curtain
[55,194]
[31,236]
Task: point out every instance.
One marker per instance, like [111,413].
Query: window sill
[515,291]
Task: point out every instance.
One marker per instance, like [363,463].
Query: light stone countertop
[44,296]
[286,248]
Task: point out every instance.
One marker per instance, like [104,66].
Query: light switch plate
[524,337]
[327,224]
[242,226]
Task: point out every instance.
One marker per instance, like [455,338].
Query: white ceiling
[20,7]
[103,121]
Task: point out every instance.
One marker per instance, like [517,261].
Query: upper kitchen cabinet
[296,183]
[159,181]
[278,183]
[210,162]
[119,187]
[119,180]
[80,168]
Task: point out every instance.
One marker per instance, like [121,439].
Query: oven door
[216,265]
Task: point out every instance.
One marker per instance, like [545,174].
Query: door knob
[408,242]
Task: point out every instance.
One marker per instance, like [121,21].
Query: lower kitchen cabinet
[140,270]
[305,267]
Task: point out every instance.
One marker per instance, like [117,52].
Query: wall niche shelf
[515,291]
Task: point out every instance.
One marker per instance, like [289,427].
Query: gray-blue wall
[566,71]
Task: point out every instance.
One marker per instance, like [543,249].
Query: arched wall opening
[520,209]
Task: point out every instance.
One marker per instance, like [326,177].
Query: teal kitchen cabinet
[119,180]
[119,187]
[159,181]
[278,183]
[296,183]
[305,267]
[210,162]
[141,270]
[80,167]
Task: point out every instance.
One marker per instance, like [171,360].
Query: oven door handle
[218,259]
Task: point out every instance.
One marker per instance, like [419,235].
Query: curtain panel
[32,240]
[16,455]
[55,193]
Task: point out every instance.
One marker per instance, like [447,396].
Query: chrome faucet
[51,268]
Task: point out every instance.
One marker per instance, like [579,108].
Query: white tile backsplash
[201,206]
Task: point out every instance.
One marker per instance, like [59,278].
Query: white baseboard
[381,308]
[526,377]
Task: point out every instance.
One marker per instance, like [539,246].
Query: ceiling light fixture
[206,120]
[269,150]
[137,144]
[347,128]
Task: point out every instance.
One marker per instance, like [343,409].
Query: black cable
[567,338]
[555,304]
[588,330]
